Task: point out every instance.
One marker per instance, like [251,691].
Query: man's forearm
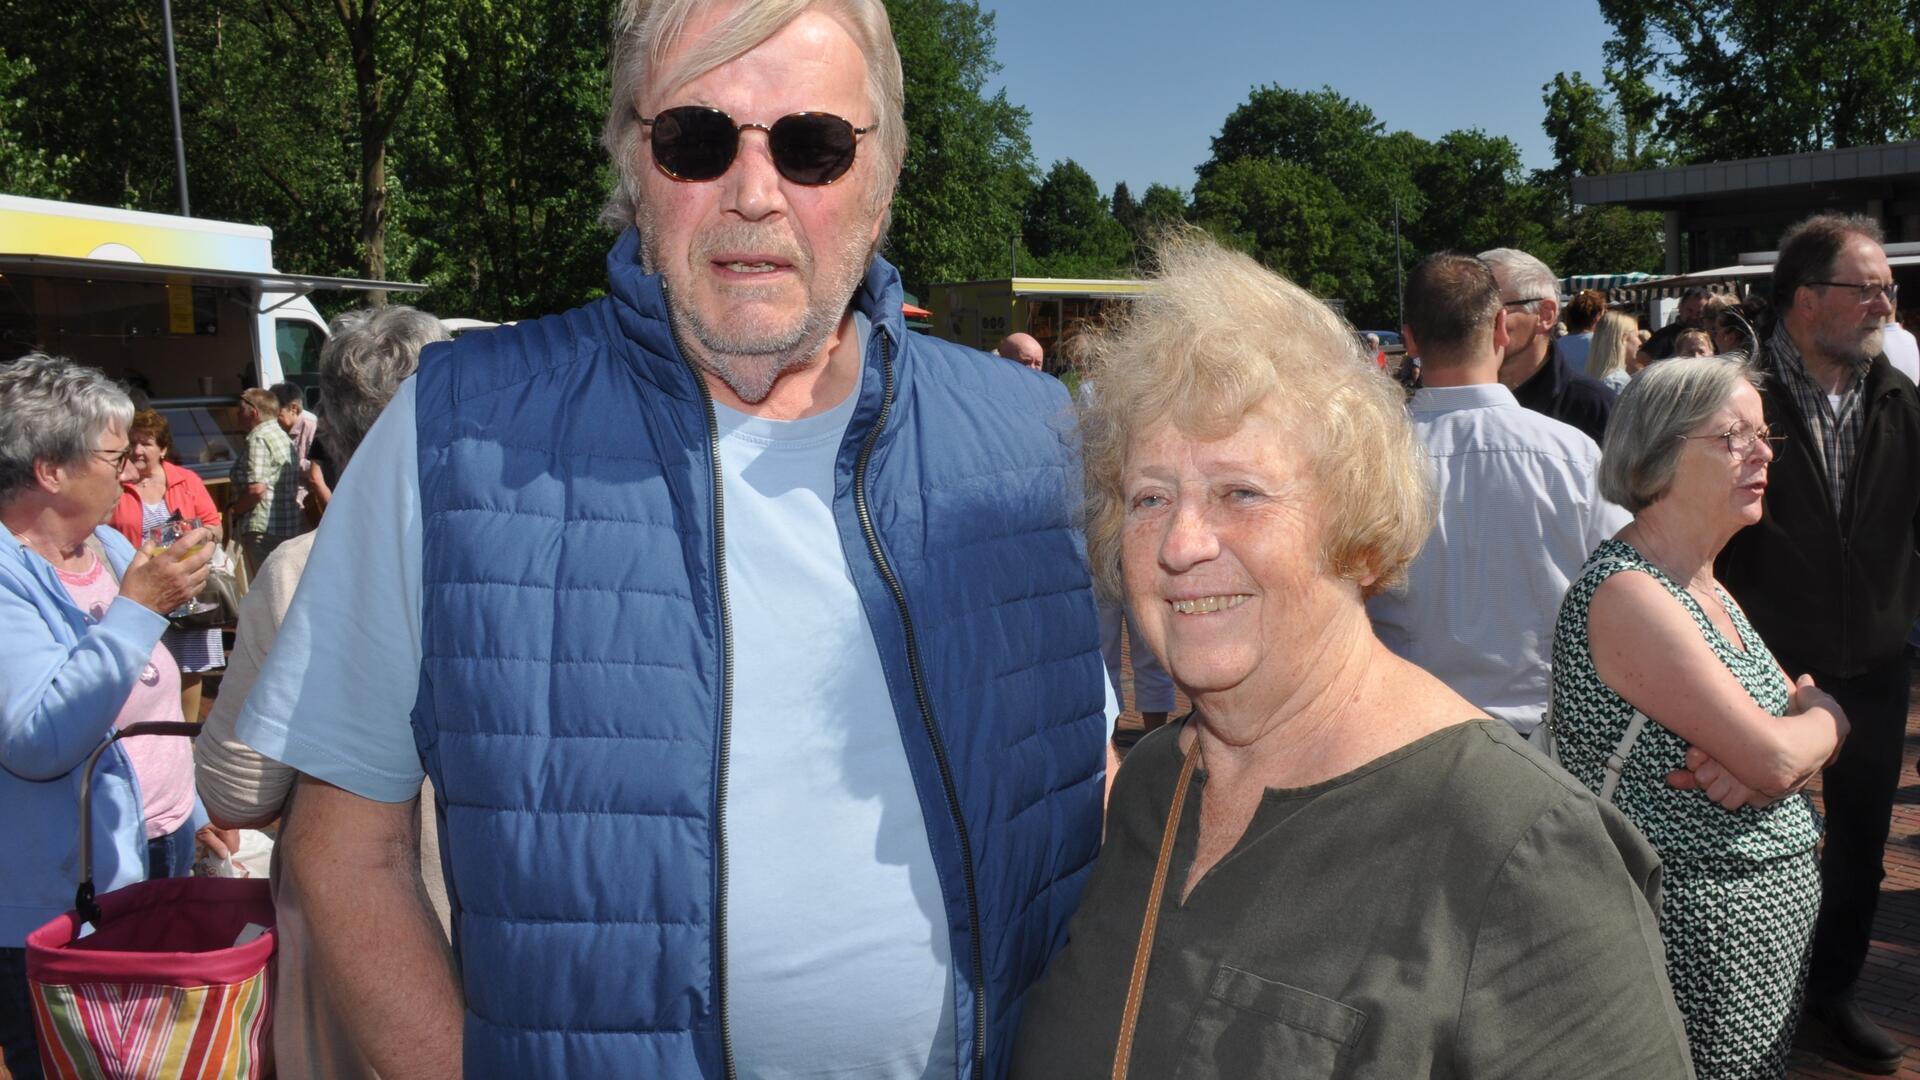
[375,943]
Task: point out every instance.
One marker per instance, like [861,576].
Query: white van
[187,311]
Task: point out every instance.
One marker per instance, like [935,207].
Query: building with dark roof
[1716,211]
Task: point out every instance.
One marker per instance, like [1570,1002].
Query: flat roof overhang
[114,270]
[1868,168]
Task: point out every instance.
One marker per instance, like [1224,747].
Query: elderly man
[1831,580]
[754,665]
[1520,505]
[300,426]
[265,509]
[1665,342]
[1025,350]
[1533,368]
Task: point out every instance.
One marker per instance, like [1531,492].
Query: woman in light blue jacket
[81,615]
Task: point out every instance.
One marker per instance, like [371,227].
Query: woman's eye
[1148,501]
[1243,494]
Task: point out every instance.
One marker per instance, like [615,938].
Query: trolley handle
[83,899]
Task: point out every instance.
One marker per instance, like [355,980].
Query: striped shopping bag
[160,980]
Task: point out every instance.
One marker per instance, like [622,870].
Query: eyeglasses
[1521,303]
[1866,291]
[1742,439]
[117,458]
[693,143]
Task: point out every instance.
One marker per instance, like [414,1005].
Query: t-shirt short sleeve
[335,698]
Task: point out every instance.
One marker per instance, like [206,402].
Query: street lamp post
[173,99]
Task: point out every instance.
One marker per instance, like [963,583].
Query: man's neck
[1524,365]
[825,381]
[1467,367]
[1830,373]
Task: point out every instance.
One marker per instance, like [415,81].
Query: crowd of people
[721,679]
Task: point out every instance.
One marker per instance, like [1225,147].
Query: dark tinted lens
[694,143]
[812,148]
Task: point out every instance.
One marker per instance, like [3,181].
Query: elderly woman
[1333,865]
[159,490]
[81,614]
[1654,665]
[368,354]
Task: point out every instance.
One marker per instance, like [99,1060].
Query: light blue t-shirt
[838,958]
[839,961]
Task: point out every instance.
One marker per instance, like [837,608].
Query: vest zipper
[726,727]
[978,969]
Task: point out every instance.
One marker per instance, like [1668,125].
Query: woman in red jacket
[160,490]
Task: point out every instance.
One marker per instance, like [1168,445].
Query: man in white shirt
[1903,352]
[1520,506]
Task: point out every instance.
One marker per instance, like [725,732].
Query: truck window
[299,343]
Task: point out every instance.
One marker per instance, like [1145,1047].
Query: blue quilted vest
[573,708]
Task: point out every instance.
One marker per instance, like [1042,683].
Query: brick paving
[1890,986]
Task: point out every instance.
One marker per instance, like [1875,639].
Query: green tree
[1593,134]
[1070,229]
[1476,198]
[1125,210]
[1307,181]
[24,169]
[1580,125]
[503,175]
[969,166]
[1748,78]
[1161,204]
[1286,215]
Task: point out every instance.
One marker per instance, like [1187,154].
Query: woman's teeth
[1207,604]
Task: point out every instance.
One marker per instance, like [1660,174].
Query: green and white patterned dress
[1742,886]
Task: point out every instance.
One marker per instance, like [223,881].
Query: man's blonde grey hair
[645,32]
[1218,337]
[1663,403]
[1528,277]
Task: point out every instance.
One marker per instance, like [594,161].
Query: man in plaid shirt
[265,507]
[1831,579]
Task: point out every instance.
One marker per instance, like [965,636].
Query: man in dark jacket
[1540,378]
[1829,576]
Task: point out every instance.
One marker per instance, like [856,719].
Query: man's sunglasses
[693,143]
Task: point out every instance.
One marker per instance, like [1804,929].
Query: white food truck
[187,312]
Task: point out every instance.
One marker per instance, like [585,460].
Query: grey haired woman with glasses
[1667,703]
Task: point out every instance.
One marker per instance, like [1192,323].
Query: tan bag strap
[1143,952]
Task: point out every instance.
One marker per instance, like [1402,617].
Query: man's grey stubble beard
[751,366]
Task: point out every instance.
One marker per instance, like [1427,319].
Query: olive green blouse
[1459,907]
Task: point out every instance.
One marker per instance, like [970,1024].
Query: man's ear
[1549,314]
[1407,340]
[1501,335]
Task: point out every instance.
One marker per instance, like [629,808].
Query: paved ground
[1890,988]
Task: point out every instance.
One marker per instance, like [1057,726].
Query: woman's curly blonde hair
[1218,336]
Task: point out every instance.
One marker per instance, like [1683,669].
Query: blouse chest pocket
[1250,1026]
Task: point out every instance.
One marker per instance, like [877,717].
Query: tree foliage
[1071,230]
[1749,78]
[1594,132]
[969,167]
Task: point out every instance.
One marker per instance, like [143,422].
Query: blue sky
[1135,91]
